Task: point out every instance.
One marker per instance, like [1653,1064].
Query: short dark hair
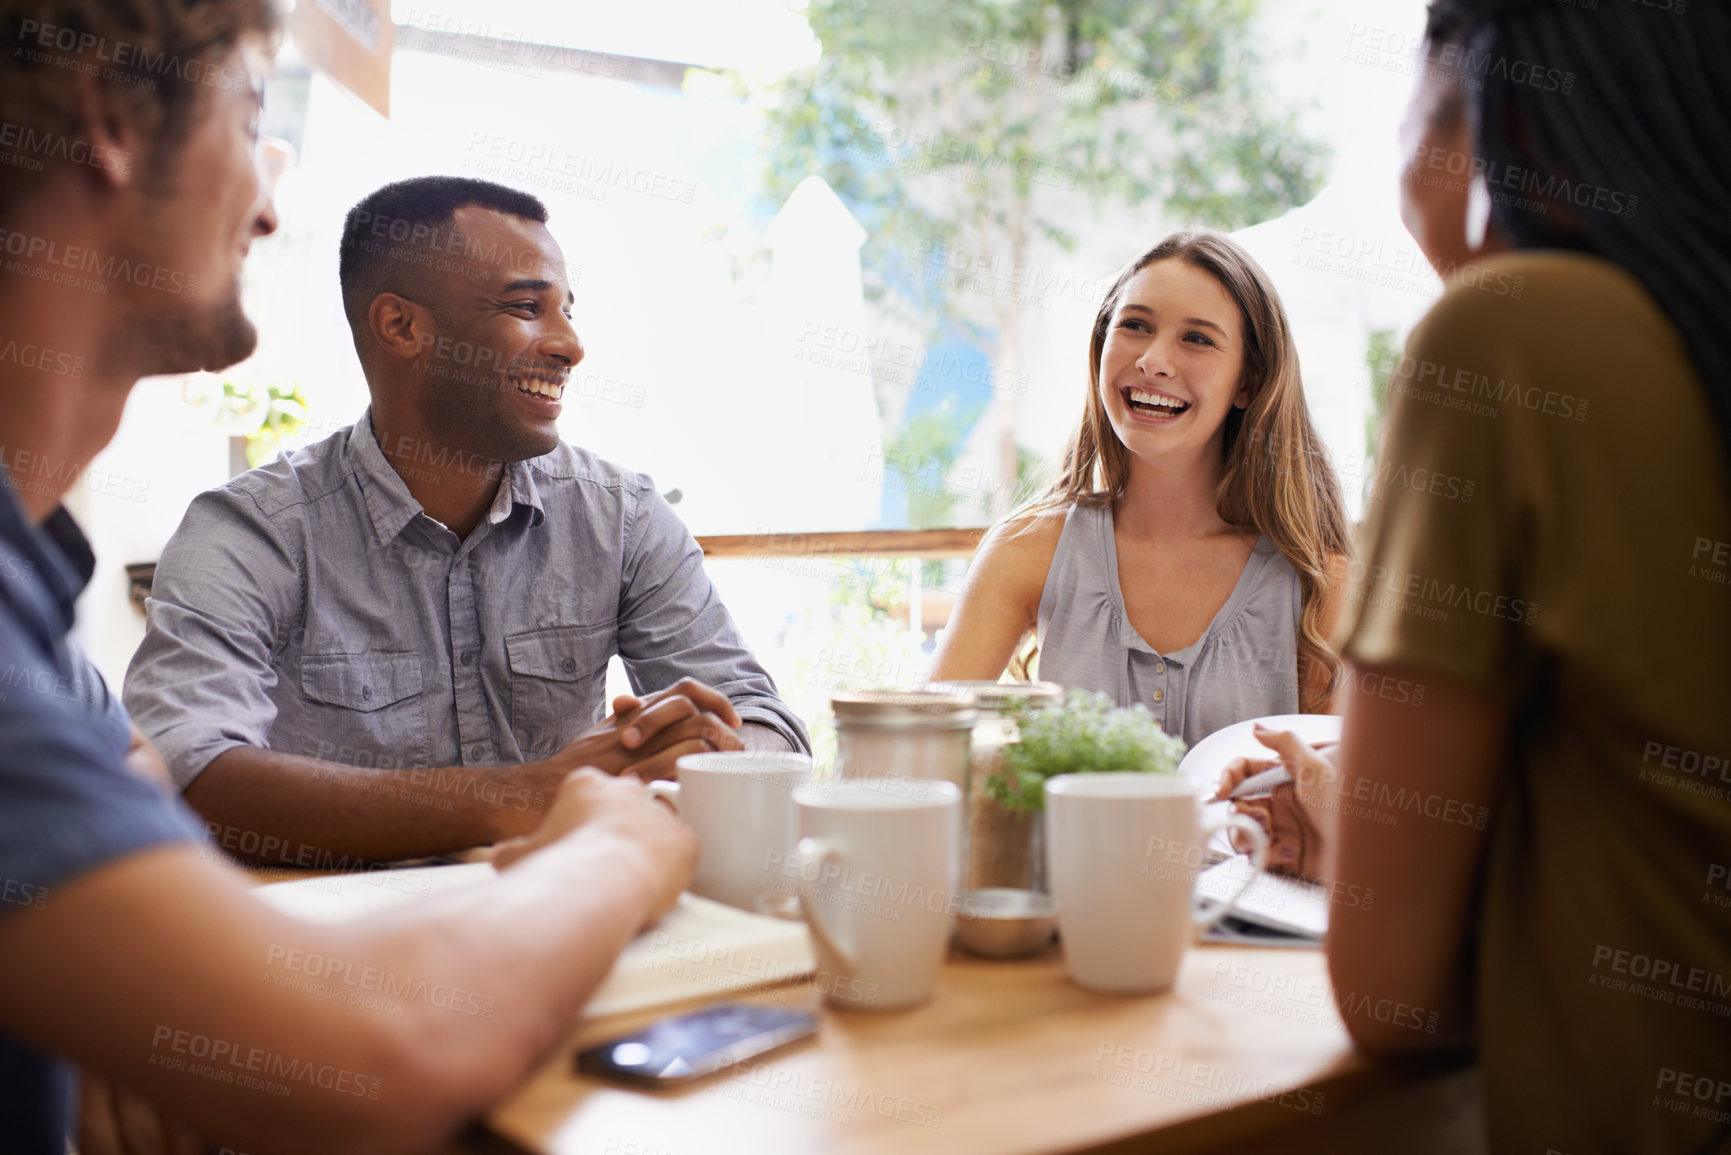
[391,236]
[155,60]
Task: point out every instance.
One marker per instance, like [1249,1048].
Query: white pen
[1260,784]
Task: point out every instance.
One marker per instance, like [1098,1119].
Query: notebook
[700,948]
[1274,910]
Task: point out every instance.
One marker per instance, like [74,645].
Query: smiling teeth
[549,389]
[1158,401]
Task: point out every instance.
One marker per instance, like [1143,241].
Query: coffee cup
[877,866]
[739,803]
[1123,850]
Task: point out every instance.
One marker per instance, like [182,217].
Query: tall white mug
[1122,852]
[739,803]
[877,865]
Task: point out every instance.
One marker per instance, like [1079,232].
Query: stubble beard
[186,338]
[476,417]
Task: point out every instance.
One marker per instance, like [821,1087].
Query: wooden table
[1247,1054]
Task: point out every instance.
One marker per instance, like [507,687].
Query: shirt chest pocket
[367,709]
[558,678]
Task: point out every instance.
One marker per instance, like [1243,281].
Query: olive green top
[1551,527]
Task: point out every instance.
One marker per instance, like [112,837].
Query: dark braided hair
[1632,153]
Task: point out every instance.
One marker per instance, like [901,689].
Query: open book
[700,948]
[1275,910]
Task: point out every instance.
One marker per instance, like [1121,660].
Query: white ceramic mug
[877,866]
[1122,853]
[739,803]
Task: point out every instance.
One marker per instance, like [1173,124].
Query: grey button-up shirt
[311,606]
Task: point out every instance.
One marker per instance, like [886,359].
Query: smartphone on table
[691,1046]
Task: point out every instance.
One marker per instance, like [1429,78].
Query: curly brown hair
[150,58]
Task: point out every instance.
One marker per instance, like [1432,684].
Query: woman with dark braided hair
[1549,833]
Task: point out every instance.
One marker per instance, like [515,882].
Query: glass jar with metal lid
[1005,847]
[912,733]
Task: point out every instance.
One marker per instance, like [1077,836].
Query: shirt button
[1159,667]
[477,752]
[468,657]
[568,665]
[1159,695]
[366,693]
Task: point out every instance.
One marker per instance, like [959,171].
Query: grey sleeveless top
[1245,664]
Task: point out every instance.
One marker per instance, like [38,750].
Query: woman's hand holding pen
[1295,812]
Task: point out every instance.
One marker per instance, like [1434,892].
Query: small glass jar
[1005,847]
[913,733]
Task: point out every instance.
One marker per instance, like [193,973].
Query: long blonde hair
[1278,478]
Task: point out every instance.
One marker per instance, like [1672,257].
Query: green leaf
[1086,734]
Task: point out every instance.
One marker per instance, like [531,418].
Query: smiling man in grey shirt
[394,642]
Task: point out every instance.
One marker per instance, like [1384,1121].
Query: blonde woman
[1187,555]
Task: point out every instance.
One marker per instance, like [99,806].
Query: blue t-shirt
[67,803]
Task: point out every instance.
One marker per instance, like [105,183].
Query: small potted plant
[268,413]
[257,416]
[1083,734]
